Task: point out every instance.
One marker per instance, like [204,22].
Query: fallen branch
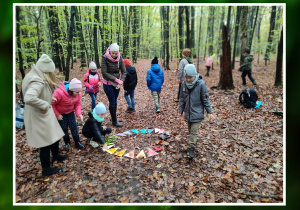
[247,145]
[239,174]
[263,196]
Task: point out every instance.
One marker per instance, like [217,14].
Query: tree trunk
[192,45]
[211,32]
[70,38]
[187,22]
[226,81]
[258,38]
[105,27]
[243,38]
[19,47]
[228,20]
[236,32]
[271,33]
[134,33]
[253,29]
[96,16]
[79,35]
[199,36]
[167,36]
[278,79]
[37,18]
[221,27]
[125,31]
[180,29]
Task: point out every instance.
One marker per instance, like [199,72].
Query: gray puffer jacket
[111,70]
[193,101]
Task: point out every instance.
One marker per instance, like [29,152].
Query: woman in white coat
[42,128]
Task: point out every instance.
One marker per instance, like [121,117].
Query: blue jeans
[93,96]
[131,94]
[112,94]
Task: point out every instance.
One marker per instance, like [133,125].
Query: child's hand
[81,118]
[91,87]
[60,117]
[104,127]
[54,99]
[211,117]
[104,148]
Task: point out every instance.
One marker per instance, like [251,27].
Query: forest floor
[241,152]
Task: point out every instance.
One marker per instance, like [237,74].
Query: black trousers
[207,68]
[45,154]
[179,90]
[249,73]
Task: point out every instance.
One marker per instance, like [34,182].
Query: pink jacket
[209,62]
[94,80]
[65,103]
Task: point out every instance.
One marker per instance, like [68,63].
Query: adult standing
[42,128]
[208,64]
[111,66]
[186,59]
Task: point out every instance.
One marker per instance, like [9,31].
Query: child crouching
[93,126]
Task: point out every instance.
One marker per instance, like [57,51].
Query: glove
[99,84]
[91,87]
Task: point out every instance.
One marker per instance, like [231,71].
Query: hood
[90,114]
[130,70]
[62,87]
[155,68]
[250,57]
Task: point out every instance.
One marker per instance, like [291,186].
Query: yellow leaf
[46,180]
[68,195]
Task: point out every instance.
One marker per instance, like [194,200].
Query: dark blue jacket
[131,78]
[155,78]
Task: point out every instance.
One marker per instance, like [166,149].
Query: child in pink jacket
[68,99]
[208,64]
[92,81]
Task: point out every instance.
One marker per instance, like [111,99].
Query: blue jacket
[155,78]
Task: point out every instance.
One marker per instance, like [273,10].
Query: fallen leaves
[221,170]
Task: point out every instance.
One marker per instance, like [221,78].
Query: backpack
[248,98]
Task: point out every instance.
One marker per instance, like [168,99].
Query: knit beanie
[100,108]
[154,61]
[92,65]
[114,47]
[190,70]
[247,51]
[75,85]
[127,62]
[45,64]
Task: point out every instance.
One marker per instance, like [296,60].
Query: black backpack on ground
[248,98]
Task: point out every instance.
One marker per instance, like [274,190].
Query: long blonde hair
[51,79]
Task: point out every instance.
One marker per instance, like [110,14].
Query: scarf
[192,84]
[109,56]
[189,60]
[99,119]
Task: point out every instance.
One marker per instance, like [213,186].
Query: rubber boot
[191,152]
[55,153]
[67,142]
[113,114]
[77,142]
[47,170]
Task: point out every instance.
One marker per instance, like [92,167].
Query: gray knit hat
[190,70]
[45,64]
[92,65]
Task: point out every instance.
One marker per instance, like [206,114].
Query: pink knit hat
[75,85]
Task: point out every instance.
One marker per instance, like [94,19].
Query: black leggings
[45,154]
[69,121]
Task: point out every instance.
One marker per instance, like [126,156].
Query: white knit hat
[92,65]
[45,64]
[114,47]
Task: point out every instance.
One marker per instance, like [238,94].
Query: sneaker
[129,108]
[157,110]
[132,109]
[191,152]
